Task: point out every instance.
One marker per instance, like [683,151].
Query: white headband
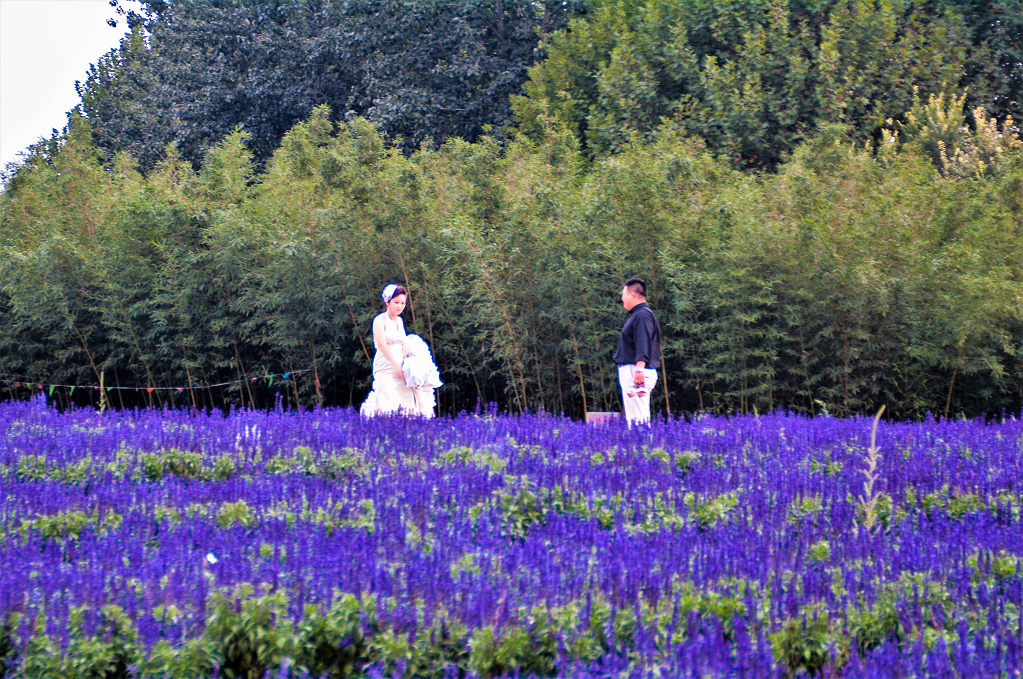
[388,292]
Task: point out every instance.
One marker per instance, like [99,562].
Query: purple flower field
[283,544]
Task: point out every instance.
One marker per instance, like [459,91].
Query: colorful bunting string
[269,377]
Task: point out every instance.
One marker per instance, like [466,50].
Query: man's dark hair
[637,285]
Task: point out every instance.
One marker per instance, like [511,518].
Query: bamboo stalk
[472,368]
[191,391]
[120,392]
[536,355]
[355,323]
[316,374]
[579,369]
[85,346]
[952,382]
[241,376]
[103,405]
[404,273]
[294,385]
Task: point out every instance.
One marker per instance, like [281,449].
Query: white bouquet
[418,366]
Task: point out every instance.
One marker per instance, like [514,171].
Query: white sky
[45,46]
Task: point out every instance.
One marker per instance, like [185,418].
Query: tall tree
[996,27]
[756,77]
[193,70]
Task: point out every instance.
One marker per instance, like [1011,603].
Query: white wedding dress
[391,395]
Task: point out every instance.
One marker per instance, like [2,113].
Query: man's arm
[644,326]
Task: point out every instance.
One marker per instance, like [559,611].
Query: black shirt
[640,339]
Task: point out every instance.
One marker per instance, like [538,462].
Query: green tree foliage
[852,276]
[754,78]
[996,27]
[193,70]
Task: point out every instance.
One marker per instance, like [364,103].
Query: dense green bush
[755,78]
[849,278]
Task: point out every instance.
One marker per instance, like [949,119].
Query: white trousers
[636,400]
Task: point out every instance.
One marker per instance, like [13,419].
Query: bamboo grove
[853,276]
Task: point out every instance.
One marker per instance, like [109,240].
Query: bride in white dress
[391,393]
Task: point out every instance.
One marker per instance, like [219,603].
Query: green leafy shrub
[961,504]
[526,650]
[873,627]
[194,658]
[819,552]
[279,464]
[440,652]
[42,658]
[333,644]
[365,516]
[336,467]
[109,654]
[707,512]
[31,468]
[152,467]
[1005,566]
[223,468]
[245,633]
[304,459]
[522,511]
[74,473]
[8,645]
[235,513]
[686,460]
[801,645]
[61,525]
[180,463]
[804,509]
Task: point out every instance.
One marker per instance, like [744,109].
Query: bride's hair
[397,291]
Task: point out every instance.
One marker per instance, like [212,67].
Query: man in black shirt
[639,352]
